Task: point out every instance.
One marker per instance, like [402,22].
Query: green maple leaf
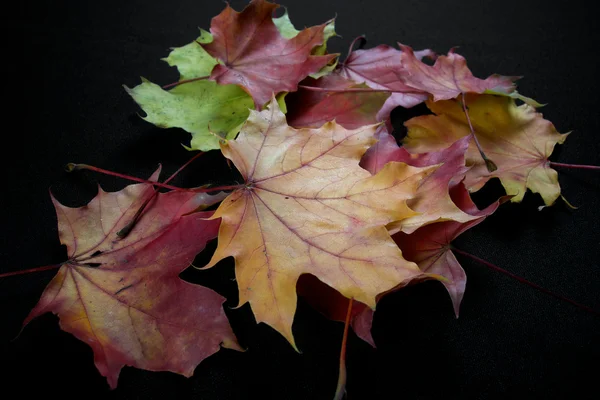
[191,60]
[210,112]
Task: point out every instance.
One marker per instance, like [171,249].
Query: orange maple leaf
[307,207]
[124,297]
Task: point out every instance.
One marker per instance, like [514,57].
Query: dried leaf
[517,138]
[449,76]
[433,200]
[308,108]
[381,68]
[255,56]
[124,297]
[288,31]
[307,207]
[430,248]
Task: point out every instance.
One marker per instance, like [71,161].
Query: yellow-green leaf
[208,111]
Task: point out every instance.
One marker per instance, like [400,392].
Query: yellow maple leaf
[307,207]
[517,138]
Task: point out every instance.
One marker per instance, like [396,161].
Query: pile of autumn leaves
[331,207]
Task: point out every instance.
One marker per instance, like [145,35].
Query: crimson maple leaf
[335,98]
[449,76]
[430,247]
[255,56]
[123,296]
[381,68]
[433,200]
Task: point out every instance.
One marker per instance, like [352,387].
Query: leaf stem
[362,38]
[525,281]
[131,224]
[365,90]
[574,166]
[490,165]
[341,385]
[28,271]
[170,85]
[216,189]
[184,166]
[76,167]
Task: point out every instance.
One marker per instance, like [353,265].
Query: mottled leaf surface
[124,297]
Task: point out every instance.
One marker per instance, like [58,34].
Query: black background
[63,67]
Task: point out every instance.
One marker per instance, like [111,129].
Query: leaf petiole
[28,271]
[523,280]
[489,164]
[77,167]
[341,385]
[365,90]
[131,224]
[362,39]
[170,85]
[573,166]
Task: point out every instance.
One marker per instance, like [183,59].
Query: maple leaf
[307,207]
[123,297]
[381,68]
[191,60]
[209,111]
[430,248]
[308,108]
[518,138]
[432,200]
[449,76]
[288,31]
[255,56]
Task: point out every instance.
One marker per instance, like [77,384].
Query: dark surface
[64,64]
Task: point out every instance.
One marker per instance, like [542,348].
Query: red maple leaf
[333,97]
[381,68]
[430,247]
[123,296]
[449,76]
[256,57]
